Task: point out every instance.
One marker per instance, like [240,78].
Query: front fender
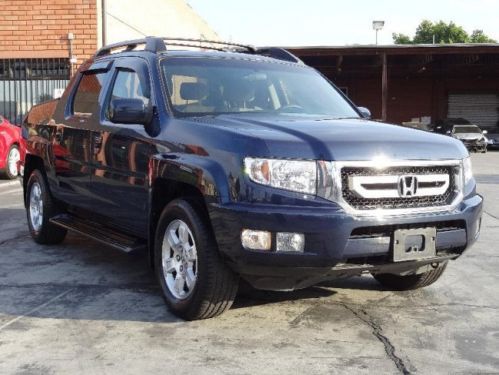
[201,173]
[206,175]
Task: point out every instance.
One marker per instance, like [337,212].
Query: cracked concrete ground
[83,308]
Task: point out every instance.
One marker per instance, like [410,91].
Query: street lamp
[378,25]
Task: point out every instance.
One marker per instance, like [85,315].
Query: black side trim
[99,233]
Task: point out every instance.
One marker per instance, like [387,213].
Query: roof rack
[279,54]
[151,44]
[208,44]
[157,45]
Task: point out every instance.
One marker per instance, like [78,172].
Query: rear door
[121,153]
[70,135]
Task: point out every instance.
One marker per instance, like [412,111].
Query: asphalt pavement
[83,308]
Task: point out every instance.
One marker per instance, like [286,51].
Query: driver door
[121,153]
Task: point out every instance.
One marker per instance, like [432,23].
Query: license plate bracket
[414,244]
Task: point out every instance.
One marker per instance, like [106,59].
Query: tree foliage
[477,36]
[442,33]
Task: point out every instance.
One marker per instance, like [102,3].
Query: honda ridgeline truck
[228,162]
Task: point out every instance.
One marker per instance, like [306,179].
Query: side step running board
[99,233]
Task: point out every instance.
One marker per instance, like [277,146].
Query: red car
[11,148]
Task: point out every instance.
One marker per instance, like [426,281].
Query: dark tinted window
[128,85]
[86,100]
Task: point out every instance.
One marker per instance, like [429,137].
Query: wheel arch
[195,179]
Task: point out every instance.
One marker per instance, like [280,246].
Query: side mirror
[485,132]
[129,111]
[364,112]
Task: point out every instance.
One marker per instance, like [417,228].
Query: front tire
[195,282]
[410,282]
[40,207]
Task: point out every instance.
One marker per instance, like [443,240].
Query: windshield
[219,86]
[467,129]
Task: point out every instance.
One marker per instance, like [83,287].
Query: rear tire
[410,282]
[195,282]
[40,207]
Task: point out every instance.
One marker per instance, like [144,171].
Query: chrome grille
[370,188]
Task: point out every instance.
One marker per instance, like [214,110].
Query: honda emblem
[407,186]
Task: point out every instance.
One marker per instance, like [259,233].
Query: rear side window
[86,100]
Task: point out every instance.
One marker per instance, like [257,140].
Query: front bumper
[475,145]
[336,243]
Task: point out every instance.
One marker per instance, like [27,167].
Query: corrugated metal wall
[479,109]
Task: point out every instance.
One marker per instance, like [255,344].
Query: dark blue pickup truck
[225,161]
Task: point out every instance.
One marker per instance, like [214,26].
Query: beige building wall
[132,19]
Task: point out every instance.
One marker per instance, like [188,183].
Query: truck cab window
[86,100]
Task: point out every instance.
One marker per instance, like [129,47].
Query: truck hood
[338,139]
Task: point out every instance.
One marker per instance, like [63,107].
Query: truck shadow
[81,279]
[249,297]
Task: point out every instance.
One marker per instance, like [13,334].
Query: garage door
[479,109]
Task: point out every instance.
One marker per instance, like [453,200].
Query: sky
[334,22]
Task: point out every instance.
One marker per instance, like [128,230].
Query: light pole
[103,21]
[377,26]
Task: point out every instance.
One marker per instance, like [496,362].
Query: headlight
[467,171]
[294,175]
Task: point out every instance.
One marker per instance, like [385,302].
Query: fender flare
[204,175]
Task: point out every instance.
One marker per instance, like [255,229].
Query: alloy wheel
[36,206]
[12,161]
[179,259]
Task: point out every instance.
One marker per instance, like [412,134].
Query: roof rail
[279,54]
[208,44]
[157,44]
[151,44]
